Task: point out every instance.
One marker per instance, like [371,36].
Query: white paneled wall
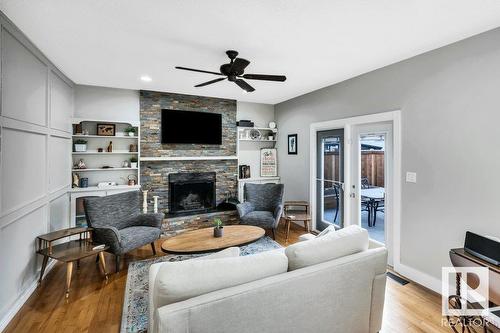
[35,162]
[23,75]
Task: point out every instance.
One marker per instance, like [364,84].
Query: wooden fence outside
[372,167]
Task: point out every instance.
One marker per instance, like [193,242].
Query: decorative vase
[133,165]
[84,182]
[145,201]
[131,133]
[218,231]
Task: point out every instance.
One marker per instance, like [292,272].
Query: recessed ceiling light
[146,78]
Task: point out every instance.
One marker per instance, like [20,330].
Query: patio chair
[334,192]
[365,203]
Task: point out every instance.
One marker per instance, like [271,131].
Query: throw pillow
[333,245]
[178,281]
[327,230]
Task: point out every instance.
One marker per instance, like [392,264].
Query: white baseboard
[419,277]
[14,308]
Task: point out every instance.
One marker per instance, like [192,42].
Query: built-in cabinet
[107,171]
[250,141]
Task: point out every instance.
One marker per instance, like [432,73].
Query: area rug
[135,305]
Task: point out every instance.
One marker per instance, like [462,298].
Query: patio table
[374,195]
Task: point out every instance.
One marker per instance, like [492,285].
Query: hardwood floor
[96,306]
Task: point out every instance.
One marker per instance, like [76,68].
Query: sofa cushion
[258,218]
[178,281]
[154,268]
[134,237]
[230,252]
[333,245]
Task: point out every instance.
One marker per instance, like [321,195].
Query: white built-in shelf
[188,158]
[105,136]
[135,123]
[257,140]
[102,169]
[105,188]
[254,179]
[259,128]
[124,152]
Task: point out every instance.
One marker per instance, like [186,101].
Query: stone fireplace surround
[191,192]
[156,173]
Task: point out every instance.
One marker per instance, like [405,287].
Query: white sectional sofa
[332,283]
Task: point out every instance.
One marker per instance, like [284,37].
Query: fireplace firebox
[191,192]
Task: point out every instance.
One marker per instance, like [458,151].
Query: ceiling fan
[234,72]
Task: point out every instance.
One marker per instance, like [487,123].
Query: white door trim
[346,124]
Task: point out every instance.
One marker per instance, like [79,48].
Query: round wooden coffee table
[203,240]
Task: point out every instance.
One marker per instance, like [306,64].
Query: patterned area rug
[135,305]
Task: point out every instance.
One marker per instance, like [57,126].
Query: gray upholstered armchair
[263,205]
[118,222]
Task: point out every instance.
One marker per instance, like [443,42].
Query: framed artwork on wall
[106,129]
[268,162]
[292,144]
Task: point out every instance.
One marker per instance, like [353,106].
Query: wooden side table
[70,251]
[290,215]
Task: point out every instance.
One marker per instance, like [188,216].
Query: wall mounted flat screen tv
[191,127]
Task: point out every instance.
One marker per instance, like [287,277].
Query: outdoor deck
[376,232]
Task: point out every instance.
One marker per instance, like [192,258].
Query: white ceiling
[314,43]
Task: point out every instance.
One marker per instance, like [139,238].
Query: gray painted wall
[450,105]
[260,114]
[111,104]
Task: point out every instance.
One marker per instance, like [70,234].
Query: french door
[371,180]
[355,176]
[330,179]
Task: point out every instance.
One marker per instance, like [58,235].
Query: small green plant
[218,223]
[129,129]
[133,159]
[80,142]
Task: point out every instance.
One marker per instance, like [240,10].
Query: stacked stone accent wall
[173,226]
[153,102]
[155,174]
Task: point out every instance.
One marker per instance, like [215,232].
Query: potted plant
[133,162]
[80,145]
[130,130]
[218,228]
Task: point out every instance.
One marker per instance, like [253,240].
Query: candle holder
[155,207]
[145,201]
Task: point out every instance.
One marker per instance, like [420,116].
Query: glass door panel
[330,179]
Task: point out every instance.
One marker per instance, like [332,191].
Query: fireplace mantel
[187,158]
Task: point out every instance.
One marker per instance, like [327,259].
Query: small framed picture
[292,144]
[106,129]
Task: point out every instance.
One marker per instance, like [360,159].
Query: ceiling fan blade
[197,70]
[243,85]
[239,65]
[210,82]
[264,77]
